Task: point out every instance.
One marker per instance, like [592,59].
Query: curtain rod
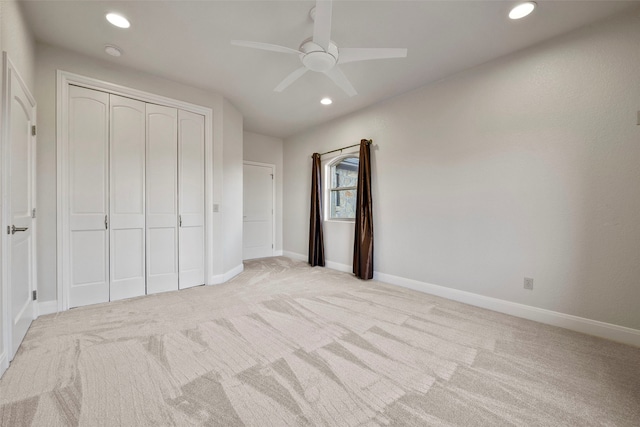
[369,142]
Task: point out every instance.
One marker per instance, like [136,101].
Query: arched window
[342,187]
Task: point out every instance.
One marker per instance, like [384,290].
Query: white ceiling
[188,41]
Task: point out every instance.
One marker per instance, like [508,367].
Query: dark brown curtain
[316,240]
[363,245]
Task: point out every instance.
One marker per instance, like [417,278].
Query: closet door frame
[64,81]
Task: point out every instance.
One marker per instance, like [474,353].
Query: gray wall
[526,166]
[232,207]
[225,156]
[17,40]
[267,149]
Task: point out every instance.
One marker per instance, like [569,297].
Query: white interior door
[162,199]
[21,157]
[191,198]
[127,198]
[257,230]
[88,136]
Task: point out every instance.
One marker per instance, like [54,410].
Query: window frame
[328,189]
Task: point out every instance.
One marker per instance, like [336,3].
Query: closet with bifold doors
[135,197]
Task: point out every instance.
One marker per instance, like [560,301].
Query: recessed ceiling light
[118,20]
[326,101]
[113,50]
[521,10]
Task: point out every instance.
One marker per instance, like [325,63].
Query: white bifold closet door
[127,200]
[136,197]
[191,198]
[162,199]
[88,196]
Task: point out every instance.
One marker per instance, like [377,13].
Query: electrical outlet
[528,283]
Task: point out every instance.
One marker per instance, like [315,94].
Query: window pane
[345,173]
[343,204]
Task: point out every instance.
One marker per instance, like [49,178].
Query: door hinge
[8,230]
[271,176]
[35,295]
[33,130]
[33,213]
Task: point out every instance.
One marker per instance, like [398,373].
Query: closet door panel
[127,241]
[88,145]
[192,255]
[127,201]
[163,262]
[191,198]
[162,199]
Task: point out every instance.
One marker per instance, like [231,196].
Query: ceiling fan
[320,54]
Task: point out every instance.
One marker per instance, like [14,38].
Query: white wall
[267,149]
[17,41]
[526,166]
[49,60]
[232,207]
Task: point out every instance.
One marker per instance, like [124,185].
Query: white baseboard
[340,267]
[46,307]
[579,324]
[295,255]
[222,278]
[4,362]
[233,272]
[277,253]
[329,264]
[567,321]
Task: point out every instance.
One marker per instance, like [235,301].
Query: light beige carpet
[285,344]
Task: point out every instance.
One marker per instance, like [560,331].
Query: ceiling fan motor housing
[316,58]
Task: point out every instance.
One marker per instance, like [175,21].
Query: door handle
[15,229]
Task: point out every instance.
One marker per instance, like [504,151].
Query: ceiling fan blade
[265,46]
[322,24]
[341,80]
[354,54]
[290,79]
